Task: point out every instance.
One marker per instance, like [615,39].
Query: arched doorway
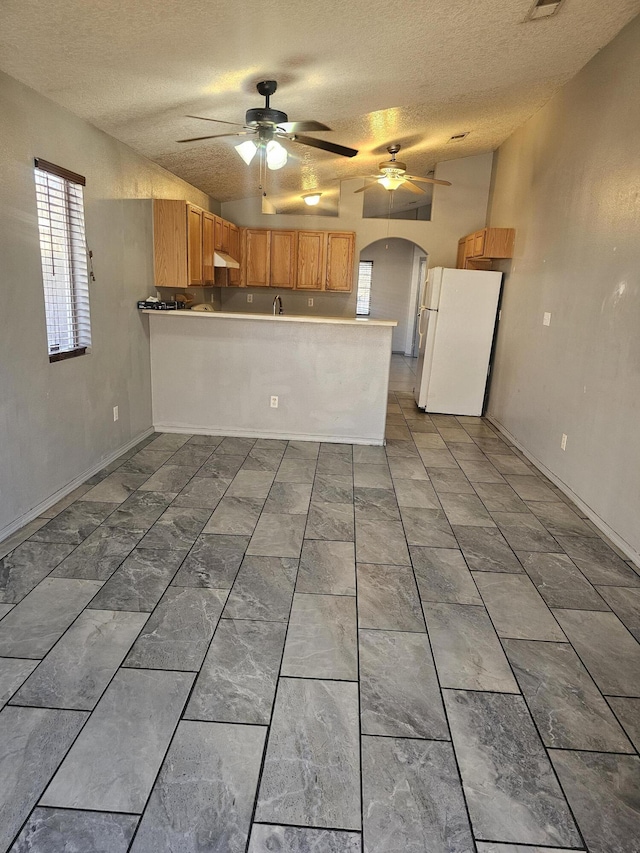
[396,269]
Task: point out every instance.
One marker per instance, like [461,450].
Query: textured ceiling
[412,72]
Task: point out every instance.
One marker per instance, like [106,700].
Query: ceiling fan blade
[218,120]
[216,136]
[407,185]
[428,180]
[298,126]
[368,186]
[326,146]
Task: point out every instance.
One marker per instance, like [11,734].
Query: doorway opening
[392,272]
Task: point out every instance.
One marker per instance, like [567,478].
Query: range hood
[221,259]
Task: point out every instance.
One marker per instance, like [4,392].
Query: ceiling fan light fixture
[247,150]
[311,198]
[391,182]
[276,155]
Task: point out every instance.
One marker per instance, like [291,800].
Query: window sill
[72,353]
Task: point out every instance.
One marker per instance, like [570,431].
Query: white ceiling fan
[393,175]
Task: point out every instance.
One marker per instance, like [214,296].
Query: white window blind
[64,259]
[365,272]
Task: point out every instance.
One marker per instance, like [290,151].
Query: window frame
[61,234]
[363,290]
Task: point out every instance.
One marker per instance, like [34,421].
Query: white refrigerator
[456,323]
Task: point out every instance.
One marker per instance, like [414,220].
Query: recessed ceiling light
[458,137]
[543,9]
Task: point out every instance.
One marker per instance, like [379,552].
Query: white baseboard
[609,532]
[260,433]
[44,505]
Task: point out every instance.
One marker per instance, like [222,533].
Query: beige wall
[56,420]
[569,182]
[457,210]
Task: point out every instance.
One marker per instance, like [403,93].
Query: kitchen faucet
[278,302]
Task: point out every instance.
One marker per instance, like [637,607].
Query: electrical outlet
[563,443]
[115,413]
[274,402]
[249,297]
[546,319]
[310,302]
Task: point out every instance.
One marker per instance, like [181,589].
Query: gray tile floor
[220,644]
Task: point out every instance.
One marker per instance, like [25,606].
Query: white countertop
[278,318]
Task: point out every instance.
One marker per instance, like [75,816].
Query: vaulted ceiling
[413,72]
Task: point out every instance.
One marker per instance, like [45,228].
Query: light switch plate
[546,319]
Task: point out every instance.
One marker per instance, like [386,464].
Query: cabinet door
[312,252]
[208,229]
[478,243]
[234,251]
[169,243]
[258,249]
[499,242]
[226,228]
[194,242]
[217,240]
[460,258]
[340,246]
[283,259]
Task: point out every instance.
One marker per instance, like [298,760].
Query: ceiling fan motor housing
[393,167]
[264,116]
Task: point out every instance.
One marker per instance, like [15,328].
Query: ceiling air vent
[543,9]
[458,137]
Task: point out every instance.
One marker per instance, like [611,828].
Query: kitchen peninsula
[217,373]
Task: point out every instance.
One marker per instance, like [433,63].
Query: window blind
[63,253]
[365,272]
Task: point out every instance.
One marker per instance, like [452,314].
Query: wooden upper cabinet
[257,257]
[477,250]
[499,242]
[468,246]
[234,251]
[208,231]
[340,247]
[217,240]
[312,251]
[226,228]
[169,243]
[478,243]
[283,259]
[194,238]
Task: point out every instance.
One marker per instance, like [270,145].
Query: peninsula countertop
[278,318]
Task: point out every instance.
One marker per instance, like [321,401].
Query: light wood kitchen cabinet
[312,255]
[234,251]
[283,259]
[218,234]
[208,231]
[478,243]
[257,257]
[184,240]
[226,227]
[194,238]
[478,250]
[340,248]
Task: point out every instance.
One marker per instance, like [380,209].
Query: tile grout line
[446,715]
[275,698]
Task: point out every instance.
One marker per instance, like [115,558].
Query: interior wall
[457,210]
[56,420]
[569,182]
[391,284]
